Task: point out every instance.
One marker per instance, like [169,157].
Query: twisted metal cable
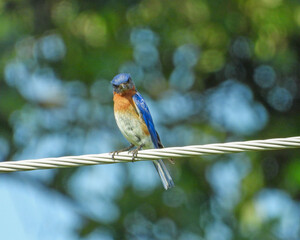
[150,154]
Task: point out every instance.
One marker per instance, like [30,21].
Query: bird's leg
[122,150]
[135,151]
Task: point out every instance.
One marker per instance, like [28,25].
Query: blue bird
[135,122]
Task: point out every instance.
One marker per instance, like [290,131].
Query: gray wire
[150,154]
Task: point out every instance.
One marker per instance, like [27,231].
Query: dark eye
[115,86]
[129,79]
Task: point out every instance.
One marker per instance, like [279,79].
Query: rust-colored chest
[124,103]
[127,116]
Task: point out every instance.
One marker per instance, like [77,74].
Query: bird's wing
[144,112]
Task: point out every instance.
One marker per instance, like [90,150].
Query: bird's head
[122,83]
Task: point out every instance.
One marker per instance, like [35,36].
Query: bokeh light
[265,76]
[231,106]
[209,73]
[280,99]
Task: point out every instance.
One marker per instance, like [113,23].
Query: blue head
[122,83]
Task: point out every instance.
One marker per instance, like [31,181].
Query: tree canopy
[210,71]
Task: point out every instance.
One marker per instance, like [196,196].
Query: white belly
[132,130]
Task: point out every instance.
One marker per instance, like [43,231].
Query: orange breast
[124,104]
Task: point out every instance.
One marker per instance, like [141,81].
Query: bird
[134,120]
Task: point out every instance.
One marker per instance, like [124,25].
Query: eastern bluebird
[135,122]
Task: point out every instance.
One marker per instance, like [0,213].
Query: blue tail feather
[164,174]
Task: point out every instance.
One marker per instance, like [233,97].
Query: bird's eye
[129,79]
[115,86]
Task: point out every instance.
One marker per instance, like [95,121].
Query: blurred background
[210,71]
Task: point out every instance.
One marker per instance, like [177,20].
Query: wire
[150,154]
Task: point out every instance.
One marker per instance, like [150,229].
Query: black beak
[123,86]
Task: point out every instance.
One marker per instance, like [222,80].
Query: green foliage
[211,71]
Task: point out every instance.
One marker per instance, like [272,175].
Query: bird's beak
[123,86]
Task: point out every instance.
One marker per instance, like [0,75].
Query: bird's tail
[164,174]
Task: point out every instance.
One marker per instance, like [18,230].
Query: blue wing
[144,111]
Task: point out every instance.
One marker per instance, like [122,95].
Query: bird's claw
[114,153]
[122,150]
[135,152]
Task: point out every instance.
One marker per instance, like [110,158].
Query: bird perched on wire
[135,122]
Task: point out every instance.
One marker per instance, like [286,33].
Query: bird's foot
[122,150]
[135,151]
